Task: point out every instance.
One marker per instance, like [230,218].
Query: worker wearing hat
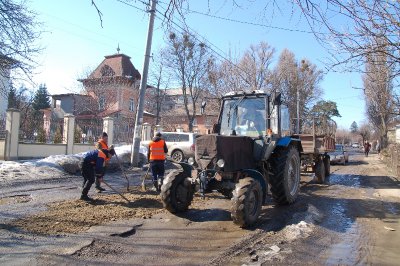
[103,142]
[156,157]
[93,167]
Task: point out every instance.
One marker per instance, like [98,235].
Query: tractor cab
[255,114]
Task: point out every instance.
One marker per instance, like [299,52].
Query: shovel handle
[116,191]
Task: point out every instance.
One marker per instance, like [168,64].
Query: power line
[207,41]
[249,22]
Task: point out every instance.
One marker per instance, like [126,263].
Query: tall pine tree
[41,100]
[12,98]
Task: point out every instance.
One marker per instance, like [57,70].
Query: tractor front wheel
[246,202]
[285,178]
[176,192]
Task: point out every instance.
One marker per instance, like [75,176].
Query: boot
[100,189]
[86,198]
[160,182]
[155,186]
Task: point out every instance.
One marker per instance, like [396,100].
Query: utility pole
[298,112]
[137,135]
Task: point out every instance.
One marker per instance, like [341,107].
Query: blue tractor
[250,151]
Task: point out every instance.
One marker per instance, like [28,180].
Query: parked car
[340,155]
[181,145]
[355,145]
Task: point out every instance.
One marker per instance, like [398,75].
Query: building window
[107,71]
[102,103]
[131,105]
[57,104]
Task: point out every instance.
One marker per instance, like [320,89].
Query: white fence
[12,149]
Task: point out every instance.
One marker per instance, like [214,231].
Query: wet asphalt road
[353,219]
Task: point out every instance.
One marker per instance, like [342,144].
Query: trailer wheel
[320,171]
[176,192]
[327,164]
[246,202]
[285,178]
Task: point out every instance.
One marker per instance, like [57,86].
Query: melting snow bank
[56,165]
[29,170]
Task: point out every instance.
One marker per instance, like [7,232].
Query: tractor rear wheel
[320,171]
[246,202]
[285,178]
[327,164]
[176,192]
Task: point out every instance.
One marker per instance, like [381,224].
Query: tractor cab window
[243,117]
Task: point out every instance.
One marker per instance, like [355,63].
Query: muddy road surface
[351,220]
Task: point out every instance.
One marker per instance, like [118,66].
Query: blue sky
[74,42]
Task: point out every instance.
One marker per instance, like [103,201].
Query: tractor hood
[236,151]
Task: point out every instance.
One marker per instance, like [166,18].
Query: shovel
[144,178]
[116,191]
[123,171]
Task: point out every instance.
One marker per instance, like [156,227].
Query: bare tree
[255,65]
[18,33]
[365,131]
[187,61]
[160,79]
[343,136]
[378,88]
[290,77]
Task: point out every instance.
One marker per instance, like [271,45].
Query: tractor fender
[288,141]
[186,168]
[260,178]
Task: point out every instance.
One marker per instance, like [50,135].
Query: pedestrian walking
[378,147]
[93,167]
[103,142]
[156,157]
[367,147]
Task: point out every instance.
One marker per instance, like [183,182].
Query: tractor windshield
[243,117]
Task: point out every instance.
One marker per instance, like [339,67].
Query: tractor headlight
[221,163]
[191,161]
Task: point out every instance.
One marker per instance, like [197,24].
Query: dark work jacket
[96,158]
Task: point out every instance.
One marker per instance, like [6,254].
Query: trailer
[314,156]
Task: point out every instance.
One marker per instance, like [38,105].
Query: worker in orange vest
[156,157]
[93,167]
[103,142]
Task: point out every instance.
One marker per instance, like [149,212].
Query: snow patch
[300,230]
[52,166]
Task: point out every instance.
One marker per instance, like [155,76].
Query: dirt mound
[75,216]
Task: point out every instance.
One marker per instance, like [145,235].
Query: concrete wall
[12,149]
[41,150]
[35,150]
[78,148]
[2,149]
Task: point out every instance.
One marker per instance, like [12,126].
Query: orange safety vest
[104,146]
[157,150]
[102,155]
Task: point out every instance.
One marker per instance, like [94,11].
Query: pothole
[126,233]
[23,198]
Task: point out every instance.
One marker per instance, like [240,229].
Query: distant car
[340,155]
[355,145]
[181,145]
